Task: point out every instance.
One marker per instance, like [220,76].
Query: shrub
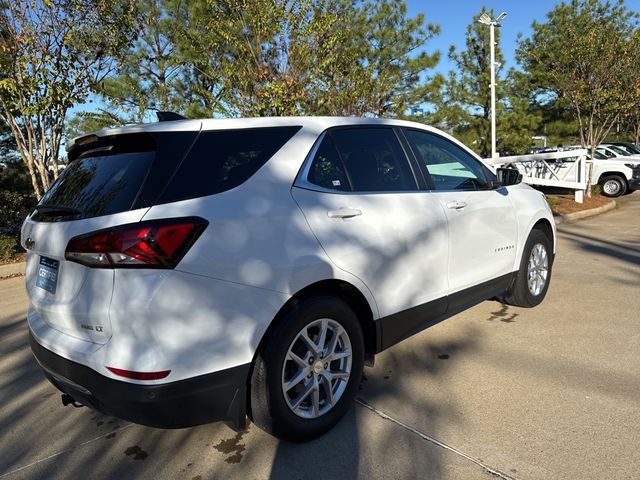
[14,207]
[8,247]
[552,200]
[16,198]
[596,190]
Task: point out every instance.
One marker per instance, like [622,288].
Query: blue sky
[453,16]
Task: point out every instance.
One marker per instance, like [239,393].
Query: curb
[11,275]
[572,217]
[12,270]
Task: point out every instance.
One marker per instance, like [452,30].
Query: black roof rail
[169,116]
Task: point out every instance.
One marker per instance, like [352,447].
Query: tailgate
[70,297]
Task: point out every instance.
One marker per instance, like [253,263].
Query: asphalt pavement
[549,392]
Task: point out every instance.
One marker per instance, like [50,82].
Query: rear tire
[613,186]
[533,277]
[301,389]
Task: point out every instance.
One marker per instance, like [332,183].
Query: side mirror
[508,176]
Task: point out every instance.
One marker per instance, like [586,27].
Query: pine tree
[465,105]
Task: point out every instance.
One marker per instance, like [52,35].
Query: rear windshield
[223,159]
[98,185]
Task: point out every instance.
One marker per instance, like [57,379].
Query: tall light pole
[487,20]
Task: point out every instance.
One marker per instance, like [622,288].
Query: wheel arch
[614,173]
[545,226]
[340,289]
[540,222]
[350,294]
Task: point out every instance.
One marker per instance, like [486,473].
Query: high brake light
[151,244]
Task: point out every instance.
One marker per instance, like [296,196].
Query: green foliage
[53,53]
[517,121]
[149,75]
[7,143]
[16,197]
[8,247]
[552,200]
[269,57]
[394,67]
[584,58]
[596,190]
[82,123]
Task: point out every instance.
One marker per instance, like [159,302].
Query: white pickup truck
[616,176]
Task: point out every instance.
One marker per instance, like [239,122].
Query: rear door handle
[344,213]
[456,205]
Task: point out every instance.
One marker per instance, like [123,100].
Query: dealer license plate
[47,274]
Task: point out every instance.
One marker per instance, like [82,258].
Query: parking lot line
[430,439]
[66,450]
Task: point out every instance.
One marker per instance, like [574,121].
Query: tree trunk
[34,179]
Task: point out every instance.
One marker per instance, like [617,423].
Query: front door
[361,200]
[482,222]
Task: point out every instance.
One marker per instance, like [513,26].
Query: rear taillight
[151,244]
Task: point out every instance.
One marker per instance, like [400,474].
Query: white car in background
[615,173]
[612,151]
[623,148]
[615,170]
[190,271]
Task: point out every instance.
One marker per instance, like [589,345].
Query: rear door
[483,228]
[99,189]
[361,200]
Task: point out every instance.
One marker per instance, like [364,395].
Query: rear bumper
[203,399]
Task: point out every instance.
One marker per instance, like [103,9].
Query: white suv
[191,271]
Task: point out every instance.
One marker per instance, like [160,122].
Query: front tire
[306,375]
[613,186]
[533,277]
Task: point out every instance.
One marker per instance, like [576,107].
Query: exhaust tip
[69,400]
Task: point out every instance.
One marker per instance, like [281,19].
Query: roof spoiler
[169,116]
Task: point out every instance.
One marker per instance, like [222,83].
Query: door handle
[456,205]
[344,213]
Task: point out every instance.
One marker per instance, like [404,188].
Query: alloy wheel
[537,269]
[317,368]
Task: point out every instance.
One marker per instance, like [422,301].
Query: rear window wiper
[55,210]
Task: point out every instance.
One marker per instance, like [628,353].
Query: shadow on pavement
[364,445]
[52,441]
[627,252]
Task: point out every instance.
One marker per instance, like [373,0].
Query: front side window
[449,166]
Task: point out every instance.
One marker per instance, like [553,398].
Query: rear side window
[370,159]
[223,159]
[101,181]
[327,169]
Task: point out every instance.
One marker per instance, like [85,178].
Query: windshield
[605,152]
[619,150]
